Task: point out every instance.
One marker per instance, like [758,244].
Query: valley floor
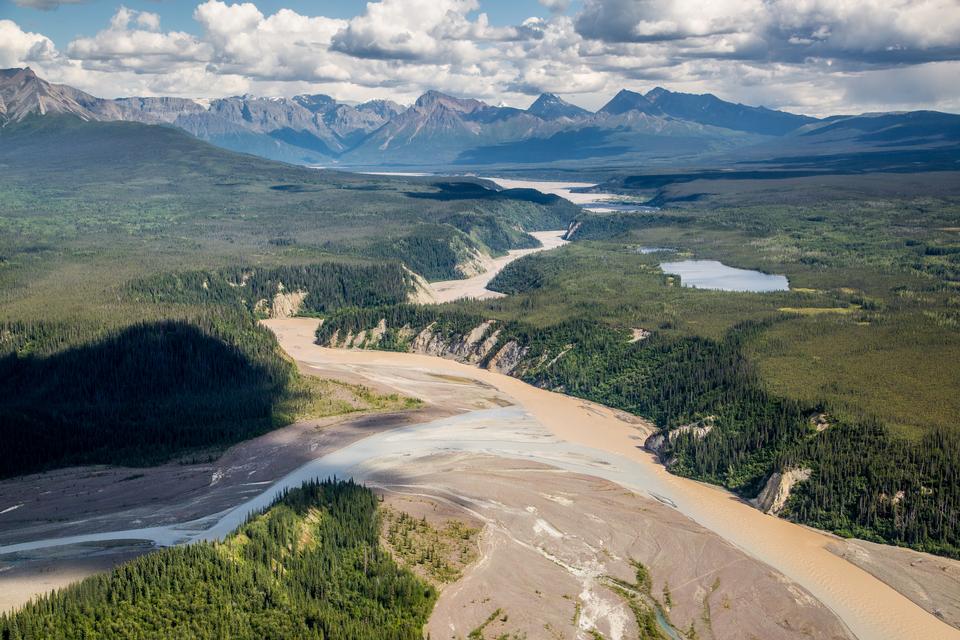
[476,286]
[564,493]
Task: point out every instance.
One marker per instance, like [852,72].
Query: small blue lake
[711,274]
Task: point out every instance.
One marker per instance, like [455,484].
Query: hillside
[157,183]
[310,566]
[132,253]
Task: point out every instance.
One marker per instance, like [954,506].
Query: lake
[711,274]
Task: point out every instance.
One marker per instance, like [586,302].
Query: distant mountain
[914,127]
[709,109]
[442,129]
[658,127]
[352,124]
[304,129]
[706,109]
[315,103]
[439,127]
[384,109]
[156,110]
[22,93]
[626,101]
[551,107]
[903,142]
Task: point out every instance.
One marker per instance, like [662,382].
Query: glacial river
[571,434]
[567,433]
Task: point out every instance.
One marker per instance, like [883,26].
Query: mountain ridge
[437,129]
[550,106]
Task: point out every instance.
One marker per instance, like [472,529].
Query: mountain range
[657,127]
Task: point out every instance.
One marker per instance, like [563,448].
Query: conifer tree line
[864,481]
[327,285]
[310,566]
[195,372]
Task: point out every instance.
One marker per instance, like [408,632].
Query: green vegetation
[135,259]
[326,286]
[642,604]
[121,239]
[861,389]
[497,617]
[310,566]
[142,394]
[435,251]
[439,553]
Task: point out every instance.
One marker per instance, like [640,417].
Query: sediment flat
[868,606]
[476,286]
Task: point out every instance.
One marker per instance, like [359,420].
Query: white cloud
[870,31]
[661,20]
[286,45]
[413,30]
[556,6]
[20,48]
[132,42]
[855,31]
[148,21]
[808,55]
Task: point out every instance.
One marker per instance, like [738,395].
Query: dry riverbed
[476,286]
[553,542]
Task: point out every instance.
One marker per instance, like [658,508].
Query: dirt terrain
[552,539]
[23,575]
[89,499]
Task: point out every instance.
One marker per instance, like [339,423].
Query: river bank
[871,608]
[492,415]
[476,286]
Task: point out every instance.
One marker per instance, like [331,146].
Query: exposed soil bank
[476,286]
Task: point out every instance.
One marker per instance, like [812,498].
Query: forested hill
[65,179]
[310,566]
[135,259]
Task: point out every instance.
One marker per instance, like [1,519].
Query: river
[575,435]
[572,434]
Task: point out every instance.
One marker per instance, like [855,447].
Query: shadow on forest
[135,397]
[476,191]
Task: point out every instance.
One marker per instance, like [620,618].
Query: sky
[810,56]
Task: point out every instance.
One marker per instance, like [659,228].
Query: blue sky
[811,56]
[69,21]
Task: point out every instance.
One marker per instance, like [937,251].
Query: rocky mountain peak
[316,102]
[627,100]
[550,106]
[433,99]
